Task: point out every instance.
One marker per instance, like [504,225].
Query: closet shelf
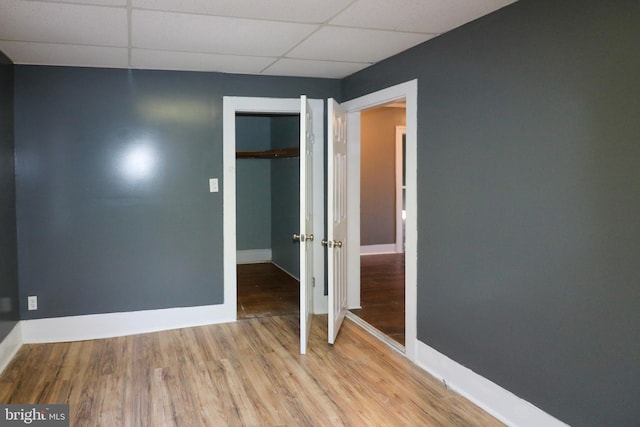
[269,154]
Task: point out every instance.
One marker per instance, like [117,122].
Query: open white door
[337,241]
[306,236]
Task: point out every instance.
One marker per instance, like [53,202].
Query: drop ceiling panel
[92,2]
[163,60]
[213,34]
[63,23]
[324,38]
[310,68]
[65,54]
[355,45]
[425,16]
[309,11]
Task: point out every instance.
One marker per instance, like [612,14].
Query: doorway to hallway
[382,219]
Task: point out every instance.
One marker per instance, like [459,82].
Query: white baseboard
[285,270]
[497,401]
[95,326]
[253,256]
[378,249]
[10,345]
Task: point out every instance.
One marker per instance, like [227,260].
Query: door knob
[331,244]
[298,238]
[309,237]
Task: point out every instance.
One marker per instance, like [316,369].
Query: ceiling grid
[310,38]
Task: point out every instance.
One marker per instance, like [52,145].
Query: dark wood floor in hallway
[382,294]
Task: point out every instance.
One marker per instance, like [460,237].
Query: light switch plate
[213,185]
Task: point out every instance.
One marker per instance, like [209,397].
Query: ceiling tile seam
[129,33]
[199,52]
[422,33]
[334,61]
[122,46]
[274,62]
[248,18]
[323,24]
[340,12]
[284,55]
[282,21]
[107,6]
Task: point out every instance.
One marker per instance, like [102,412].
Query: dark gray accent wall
[113,207]
[378,174]
[253,184]
[8,242]
[285,195]
[529,200]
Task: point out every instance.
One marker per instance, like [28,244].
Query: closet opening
[267,214]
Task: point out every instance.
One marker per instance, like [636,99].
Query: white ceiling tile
[91,2]
[426,16]
[164,60]
[213,34]
[309,11]
[310,68]
[355,45]
[65,54]
[62,23]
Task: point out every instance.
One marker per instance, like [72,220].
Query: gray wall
[253,184]
[94,240]
[378,174]
[285,195]
[8,245]
[529,199]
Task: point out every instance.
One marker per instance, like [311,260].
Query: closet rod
[269,154]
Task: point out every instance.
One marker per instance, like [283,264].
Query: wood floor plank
[266,290]
[382,293]
[247,373]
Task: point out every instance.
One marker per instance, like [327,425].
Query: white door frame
[409,92]
[400,131]
[231,106]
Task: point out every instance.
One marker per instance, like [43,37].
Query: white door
[337,217]
[306,236]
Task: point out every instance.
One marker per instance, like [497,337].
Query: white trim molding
[497,401]
[96,326]
[10,345]
[253,256]
[230,106]
[389,248]
[409,92]
[401,131]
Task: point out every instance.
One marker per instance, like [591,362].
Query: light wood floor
[247,373]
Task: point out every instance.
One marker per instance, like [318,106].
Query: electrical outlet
[32,303]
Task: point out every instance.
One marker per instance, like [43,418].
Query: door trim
[235,104]
[409,92]
[400,131]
